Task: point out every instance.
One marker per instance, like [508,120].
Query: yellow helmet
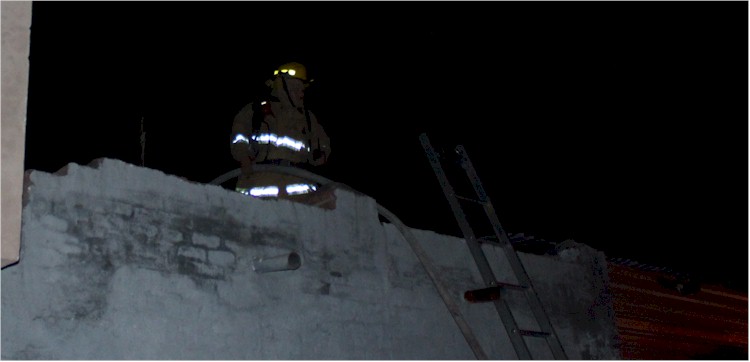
[293,69]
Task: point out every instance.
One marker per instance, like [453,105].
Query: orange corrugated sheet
[655,322]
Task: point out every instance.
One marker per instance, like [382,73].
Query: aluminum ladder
[492,283]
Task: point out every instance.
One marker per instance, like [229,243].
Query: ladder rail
[509,322]
[488,276]
[514,260]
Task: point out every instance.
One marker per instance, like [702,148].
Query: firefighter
[279,130]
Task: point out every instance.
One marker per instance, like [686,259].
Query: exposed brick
[220,257]
[198,269]
[122,209]
[211,271]
[147,229]
[192,253]
[211,241]
[171,235]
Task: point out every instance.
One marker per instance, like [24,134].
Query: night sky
[622,125]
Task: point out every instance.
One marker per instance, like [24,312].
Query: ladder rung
[491,293]
[468,199]
[532,333]
[483,295]
[511,286]
[489,240]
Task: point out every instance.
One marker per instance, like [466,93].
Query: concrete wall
[125,262]
[16,23]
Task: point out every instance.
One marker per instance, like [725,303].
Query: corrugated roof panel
[657,322]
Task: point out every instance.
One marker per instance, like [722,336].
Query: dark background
[622,125]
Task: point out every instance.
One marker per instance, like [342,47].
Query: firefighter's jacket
[284,133]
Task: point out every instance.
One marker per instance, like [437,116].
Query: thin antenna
[143,145]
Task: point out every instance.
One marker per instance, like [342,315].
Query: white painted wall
[124,262]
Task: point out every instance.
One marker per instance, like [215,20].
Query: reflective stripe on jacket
[283,135]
